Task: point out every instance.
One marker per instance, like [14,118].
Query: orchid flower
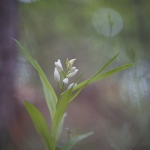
[58,65]
[72,84]
[72,69]
[70,63]
[66,80]
[71,74]
[56,75]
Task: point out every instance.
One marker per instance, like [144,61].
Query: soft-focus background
[117,108]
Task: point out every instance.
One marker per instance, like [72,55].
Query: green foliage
[74,140]
[60,127]
[51,103]
[40,124]
[61,110]
[104,75]
[58,104]
[84,83]
[40,71]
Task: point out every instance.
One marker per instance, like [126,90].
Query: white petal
[66,80]
[72,74]
[58,65]
[56,75]
[70,63]
[72,69]
[70,86]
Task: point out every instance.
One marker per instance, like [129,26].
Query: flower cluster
[70,71]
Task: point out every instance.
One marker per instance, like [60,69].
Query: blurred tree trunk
[8,28]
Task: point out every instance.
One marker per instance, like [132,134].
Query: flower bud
[56,75]
[66,80]
[71,74]
[72,69]
[72,84]
[70,63]
[58,65]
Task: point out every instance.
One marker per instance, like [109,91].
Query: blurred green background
[92,31]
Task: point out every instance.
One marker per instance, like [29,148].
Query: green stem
[63,75]
[59,97]
[59,85]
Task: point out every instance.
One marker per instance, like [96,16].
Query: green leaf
[50,101]
[106,65]
[40,125]
[88,81]
[62,105]
[80,88]
[60,127]
[104,75]
[69,145]
[40,71]
[99,71]
[82,85]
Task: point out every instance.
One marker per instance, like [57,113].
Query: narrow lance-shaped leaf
[51,103]
[80,86]
[40,125]
[88,81]
[99,77]
[59,116]
[40,71]
[105,66]
[104,75]
[60,127]
[69,145]
[99,71]
[61,110]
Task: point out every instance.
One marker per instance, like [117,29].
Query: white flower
[72,84]
[65,80]
[58,65]
[70,63]
[72,69]
[56,75]
[71,74]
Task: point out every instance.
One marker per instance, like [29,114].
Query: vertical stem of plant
[60,94]
[59,85]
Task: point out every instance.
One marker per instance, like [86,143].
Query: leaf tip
[26,103]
